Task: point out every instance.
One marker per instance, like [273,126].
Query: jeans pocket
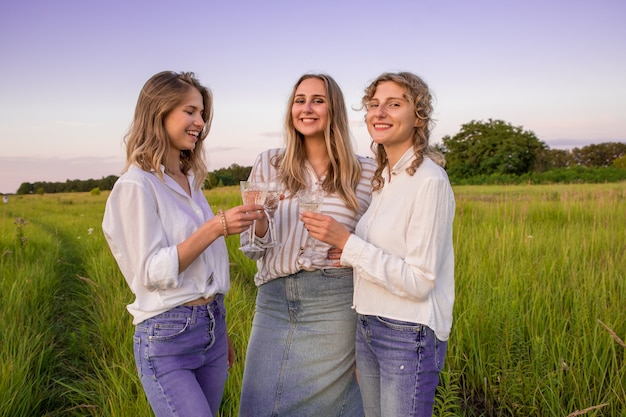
[337,273]
[406,326]
[221,308]
[169,329]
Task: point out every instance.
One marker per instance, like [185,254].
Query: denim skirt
[301,353]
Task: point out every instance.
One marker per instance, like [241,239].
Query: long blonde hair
[344,170]
[416,92]
[147,141]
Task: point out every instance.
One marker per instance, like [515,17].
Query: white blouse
[144,220]
[402,250]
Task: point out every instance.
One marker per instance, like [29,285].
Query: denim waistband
[324,272]
[214,308]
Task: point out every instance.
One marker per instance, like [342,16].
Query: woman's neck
[317,155]
[172,163]
[172,169]
[394,153]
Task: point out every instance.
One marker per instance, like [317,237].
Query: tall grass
[539,313]
[537,268]
[27,344]
[43,262]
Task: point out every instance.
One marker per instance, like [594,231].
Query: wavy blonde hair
[416,92]
[147,142]
[344,170]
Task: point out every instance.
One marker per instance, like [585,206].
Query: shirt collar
[405,160]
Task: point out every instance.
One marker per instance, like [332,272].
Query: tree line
[218,178]
[482,152]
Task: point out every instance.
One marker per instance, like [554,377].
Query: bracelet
[224,224]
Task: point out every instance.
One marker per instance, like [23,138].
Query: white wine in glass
[310,200]
[314,206]
[252,193]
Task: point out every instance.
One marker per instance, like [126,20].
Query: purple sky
[70,71]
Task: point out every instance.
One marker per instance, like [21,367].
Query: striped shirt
[281,261]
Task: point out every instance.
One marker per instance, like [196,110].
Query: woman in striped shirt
[300,359]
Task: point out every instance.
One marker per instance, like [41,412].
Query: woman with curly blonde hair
[402,254]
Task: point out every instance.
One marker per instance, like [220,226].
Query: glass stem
[252,232]
[269,225]
[272,229]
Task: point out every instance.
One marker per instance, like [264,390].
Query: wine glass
[252,193]
[271,205]
[310,200]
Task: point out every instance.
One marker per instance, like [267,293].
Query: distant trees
[497,148]
[483,148]
[219,178]
[599,155]
[620,162]
[227,176]
[69,186]
[593,156]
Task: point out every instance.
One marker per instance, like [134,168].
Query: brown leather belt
[200,301]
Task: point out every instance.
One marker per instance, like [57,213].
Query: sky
[71,70]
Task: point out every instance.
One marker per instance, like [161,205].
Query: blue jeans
[182,359]
[398,364]
[300,360]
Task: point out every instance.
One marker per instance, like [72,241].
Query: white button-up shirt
[402,250]
[144,220]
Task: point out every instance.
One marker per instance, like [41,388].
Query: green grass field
[539,317]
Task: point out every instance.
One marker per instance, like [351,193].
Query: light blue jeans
[300,359]
[398,364]
[182,359]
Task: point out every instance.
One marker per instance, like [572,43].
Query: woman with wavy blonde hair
[170,248]
[300,359]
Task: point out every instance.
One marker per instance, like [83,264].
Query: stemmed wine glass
[252,193]
[310,200]
[271,205]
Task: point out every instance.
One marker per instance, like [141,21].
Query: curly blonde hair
[416,92]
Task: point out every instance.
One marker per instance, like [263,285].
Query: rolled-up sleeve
[133,228]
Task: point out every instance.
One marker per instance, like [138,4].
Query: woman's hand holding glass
[328,230]
[310,201]
[239,219]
